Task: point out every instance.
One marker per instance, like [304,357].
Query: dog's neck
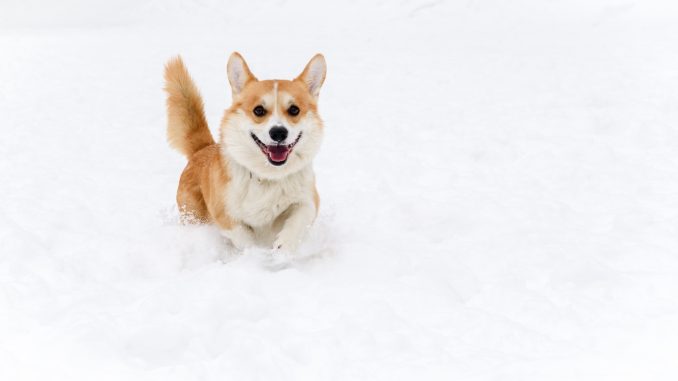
[236,169]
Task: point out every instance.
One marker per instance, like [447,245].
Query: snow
[498,194]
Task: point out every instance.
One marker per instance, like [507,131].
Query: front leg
[296,225]
[240,235]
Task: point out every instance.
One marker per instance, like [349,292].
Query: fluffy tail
[187,129]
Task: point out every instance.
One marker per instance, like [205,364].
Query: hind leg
[191,203]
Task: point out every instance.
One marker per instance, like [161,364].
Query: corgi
[257,183]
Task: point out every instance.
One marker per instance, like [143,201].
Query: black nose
[278,133]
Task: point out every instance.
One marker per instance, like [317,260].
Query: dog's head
[273,127]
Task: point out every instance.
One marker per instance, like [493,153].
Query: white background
[499,194]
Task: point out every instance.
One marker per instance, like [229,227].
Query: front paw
[241,243]
[286,244]
[240,237]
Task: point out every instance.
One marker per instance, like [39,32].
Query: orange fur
[201,187]
[187,129]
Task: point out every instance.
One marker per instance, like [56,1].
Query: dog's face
[273,127]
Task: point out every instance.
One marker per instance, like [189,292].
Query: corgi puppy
[257,183]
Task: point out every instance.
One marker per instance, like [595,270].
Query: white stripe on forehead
[276,117]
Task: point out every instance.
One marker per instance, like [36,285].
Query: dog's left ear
[313,75]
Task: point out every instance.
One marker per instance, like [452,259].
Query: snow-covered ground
[499,187]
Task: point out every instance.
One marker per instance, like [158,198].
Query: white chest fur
[258,202]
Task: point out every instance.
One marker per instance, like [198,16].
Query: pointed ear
[239,73]
[314,74]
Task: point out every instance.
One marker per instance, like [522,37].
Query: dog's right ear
[239,74]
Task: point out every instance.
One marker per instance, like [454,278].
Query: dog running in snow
[257,183]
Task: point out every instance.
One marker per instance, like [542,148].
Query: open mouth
[277,154]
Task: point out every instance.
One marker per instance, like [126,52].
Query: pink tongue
[278,153]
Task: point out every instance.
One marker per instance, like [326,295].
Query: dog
[257,183]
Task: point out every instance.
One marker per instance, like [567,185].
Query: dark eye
[293,110]
[259,111]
